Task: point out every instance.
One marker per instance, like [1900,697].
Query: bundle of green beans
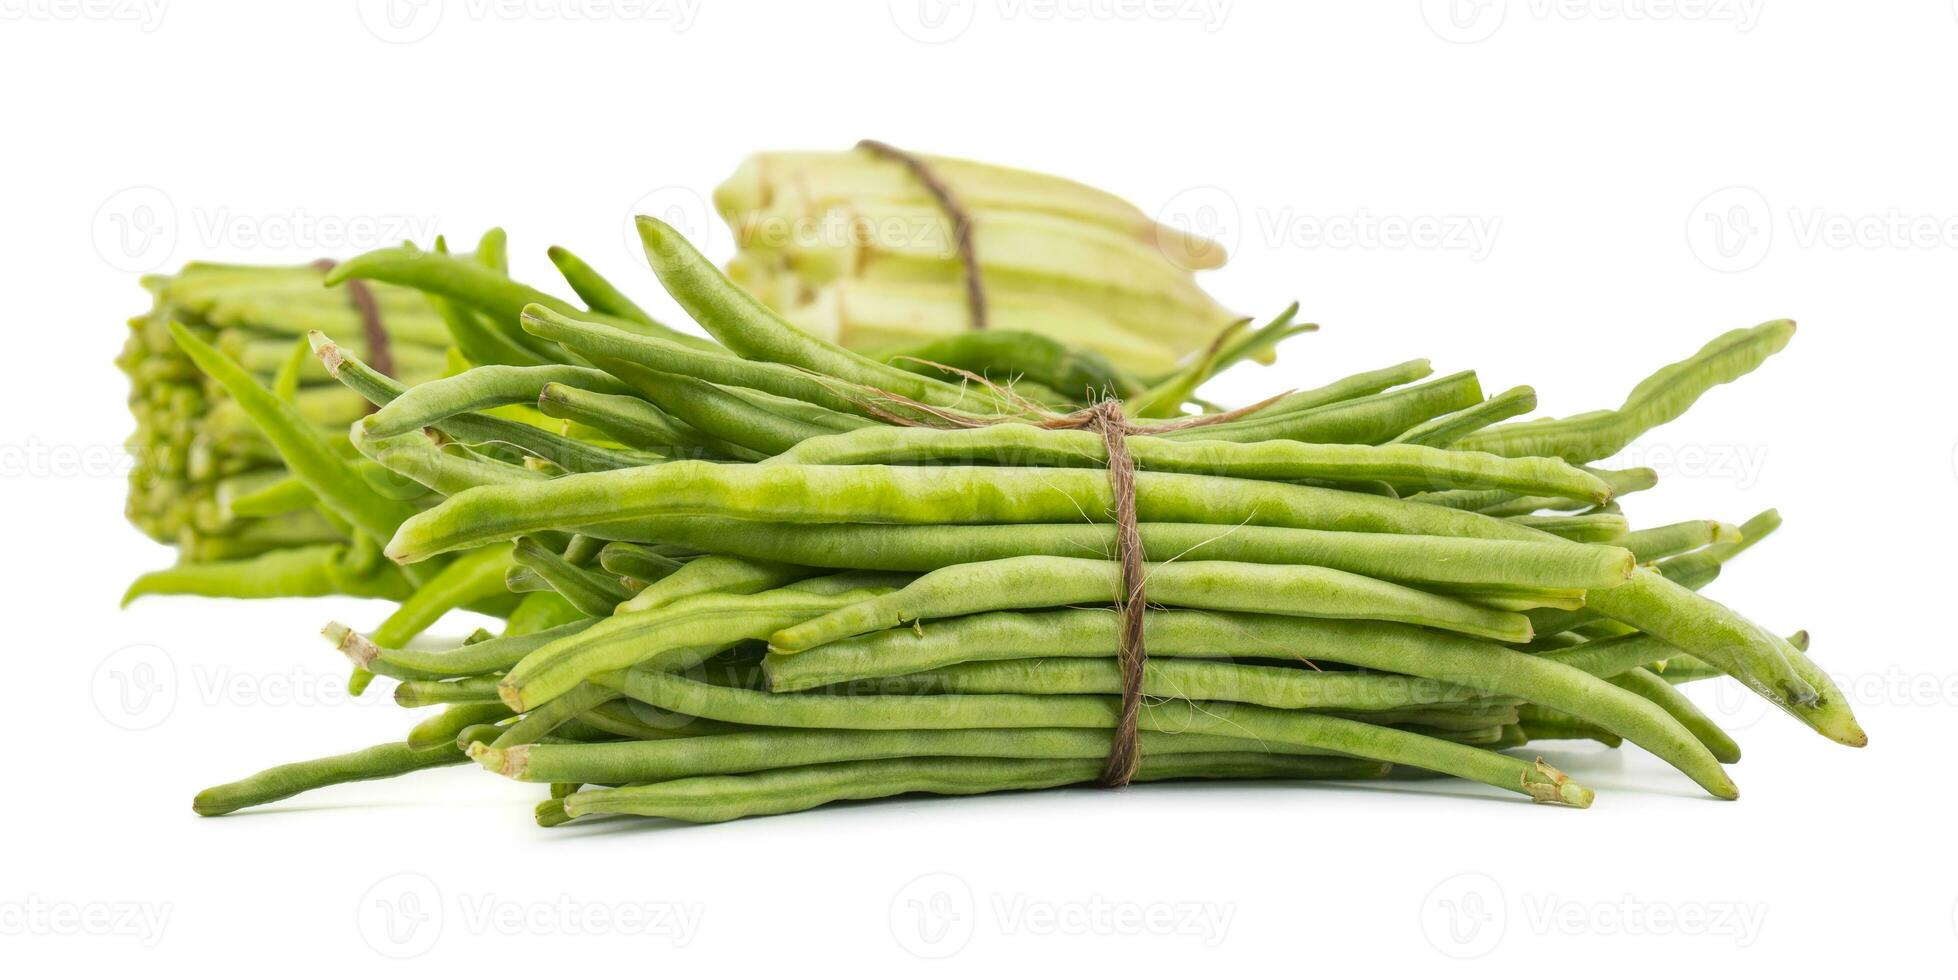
[854,247]
[786,574]
[208,482]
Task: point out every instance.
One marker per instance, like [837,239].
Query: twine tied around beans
[1106,418]
[948,202]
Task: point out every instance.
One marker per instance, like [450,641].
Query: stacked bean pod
[209,483]
[200,463]
[787,574]
[854,248]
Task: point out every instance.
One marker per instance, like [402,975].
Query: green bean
[595,290]
[480,340]
[1075,374]
[637,561]
[1024,445]
[286,494]
[1596,528]
[722,574]
[477,286]
[607,503]
[715,411]
[1502,503]
[713,799]
[609,345]
[677,634]
[1486,667]
[1167,396]
[924,547]
[1659,399]
[477,429]
[339,488]
[441,469]
[1443,431]
[1036,582]
[444,728]
[1371,420]
[479,388]
[314,570]
[1719,636]
[1346,389]
[283,782]
[1294,728]
[545,718]
[1652,544]
[635,422]
[470,660]
[471,579]
[467,690]
[747,327]
[1338,691]
[539,612]
[1647,685]
[592,593]
[1539,724]
[754,751]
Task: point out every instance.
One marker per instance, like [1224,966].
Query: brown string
[380,354]
[1125,753]
[1106,418]
[975,289]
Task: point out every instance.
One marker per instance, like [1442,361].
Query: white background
[1644,174]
